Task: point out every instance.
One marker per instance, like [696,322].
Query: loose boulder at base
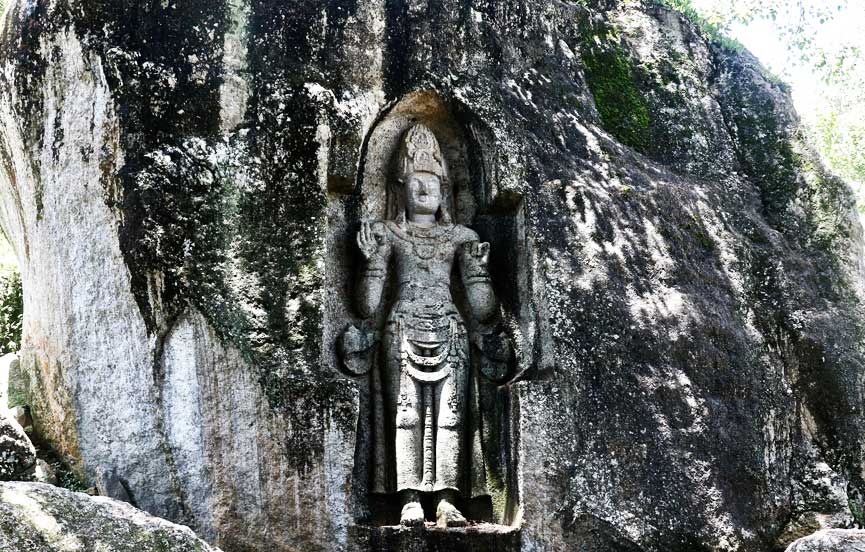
[35,517]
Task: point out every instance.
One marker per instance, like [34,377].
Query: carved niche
[429,341]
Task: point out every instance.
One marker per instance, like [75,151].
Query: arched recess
[470,148]
[382,143]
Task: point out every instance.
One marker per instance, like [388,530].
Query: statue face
[423,193]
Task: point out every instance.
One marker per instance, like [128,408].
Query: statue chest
[424,260]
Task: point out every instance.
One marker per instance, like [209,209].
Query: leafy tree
[11,312]
[838,125]
[837,120]
[11,299]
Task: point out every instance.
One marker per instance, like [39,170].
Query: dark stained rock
[44,473]
[109,483]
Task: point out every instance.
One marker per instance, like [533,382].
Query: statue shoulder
[463,234]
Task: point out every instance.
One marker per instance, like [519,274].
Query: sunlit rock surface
[35,517]
[179,182]
[831,540]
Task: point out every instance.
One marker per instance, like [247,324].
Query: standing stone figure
[426,423]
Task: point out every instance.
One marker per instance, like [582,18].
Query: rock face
[836,540]
[35,517]
[182,183]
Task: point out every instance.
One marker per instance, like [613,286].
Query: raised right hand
[371,242]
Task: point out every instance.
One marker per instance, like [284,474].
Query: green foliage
[832,53]
[623,110]
[837,126]
[856,510]
[11,298]
[11,312]
[796,20]
[841,136]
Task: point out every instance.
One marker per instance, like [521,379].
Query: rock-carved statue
[426,354]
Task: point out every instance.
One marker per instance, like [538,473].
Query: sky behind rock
[832,110]
[766,40]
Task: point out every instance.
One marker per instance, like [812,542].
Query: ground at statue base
[429,538]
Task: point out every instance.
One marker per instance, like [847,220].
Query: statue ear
[443,214]
[396,204]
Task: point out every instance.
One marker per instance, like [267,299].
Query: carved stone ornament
[426,435]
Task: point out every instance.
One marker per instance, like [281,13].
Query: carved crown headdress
[421,152]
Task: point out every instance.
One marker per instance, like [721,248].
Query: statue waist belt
[427,369]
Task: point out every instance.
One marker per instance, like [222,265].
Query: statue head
[423,194]
[422,171]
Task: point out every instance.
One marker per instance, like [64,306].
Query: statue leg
[409,436]
[409,451]
[450,401]
[450,430]
[405,455]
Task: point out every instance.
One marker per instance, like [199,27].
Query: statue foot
[448,516]
[412,515]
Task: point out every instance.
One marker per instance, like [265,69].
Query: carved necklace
[426,241]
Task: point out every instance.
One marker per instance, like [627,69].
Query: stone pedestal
[487,537]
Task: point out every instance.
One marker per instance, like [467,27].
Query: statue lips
[426,204]
[426,200]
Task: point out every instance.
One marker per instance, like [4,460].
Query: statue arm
[474,259]
[375,250]
[496,360]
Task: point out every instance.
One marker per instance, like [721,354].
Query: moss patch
[623,110]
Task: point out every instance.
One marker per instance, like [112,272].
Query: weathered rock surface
[35,517]
[17,454]
[182,181]
[44,473]
[831,540]
[21,415]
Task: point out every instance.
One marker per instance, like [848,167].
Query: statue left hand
[480,251]
[497,355]
[355,347]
